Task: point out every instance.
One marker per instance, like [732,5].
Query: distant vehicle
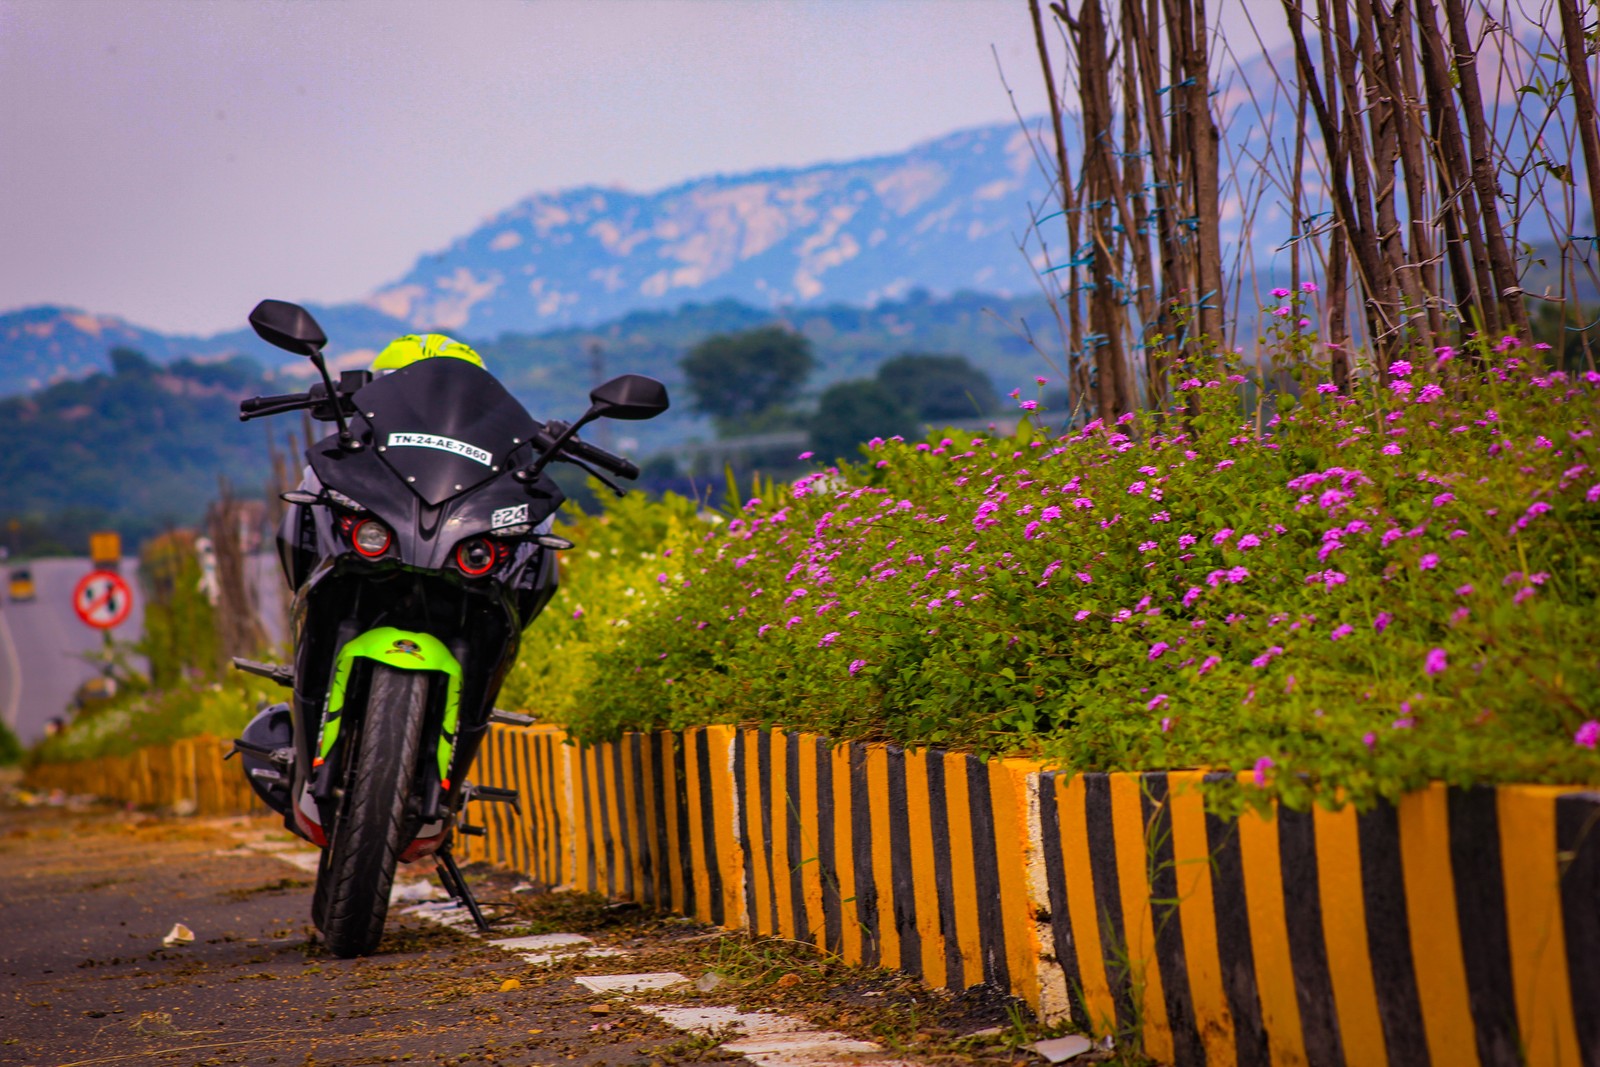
[21,584]
[105,550]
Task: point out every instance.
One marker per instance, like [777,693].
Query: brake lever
[601,478]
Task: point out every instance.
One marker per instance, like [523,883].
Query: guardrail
[1460,926]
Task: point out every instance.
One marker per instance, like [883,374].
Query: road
[43,645]
[89,894]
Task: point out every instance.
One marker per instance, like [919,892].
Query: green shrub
[1358,592]
[10,747]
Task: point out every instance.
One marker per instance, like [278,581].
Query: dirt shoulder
[86,897]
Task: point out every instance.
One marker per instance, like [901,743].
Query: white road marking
[764,1038]
[774,1040]
[630,983]
[548,948]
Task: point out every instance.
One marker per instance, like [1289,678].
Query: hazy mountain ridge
[944,215]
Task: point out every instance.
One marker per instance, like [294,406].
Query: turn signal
[371,538]
[475,557]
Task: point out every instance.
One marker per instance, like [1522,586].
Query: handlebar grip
[257,403]
[622,468]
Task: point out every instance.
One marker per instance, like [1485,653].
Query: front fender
[405,650]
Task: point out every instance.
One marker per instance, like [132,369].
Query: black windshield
[443,425]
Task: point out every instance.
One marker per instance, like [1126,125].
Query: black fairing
[473,425]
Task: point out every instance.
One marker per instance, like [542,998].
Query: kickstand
[456,885]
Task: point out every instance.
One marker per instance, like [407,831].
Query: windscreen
[443,425]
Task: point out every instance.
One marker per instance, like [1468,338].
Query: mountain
[40,346]
[943,216]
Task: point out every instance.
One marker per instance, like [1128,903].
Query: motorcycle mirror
[629,396]
[288,326]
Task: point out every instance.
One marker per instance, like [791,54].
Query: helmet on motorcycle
[404,351]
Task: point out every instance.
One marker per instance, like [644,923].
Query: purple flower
[1028,405]
[1237,575]
[1400,368]
[806,455]
[828,639]
[1157,649]
[1308,287]
[1280,293]
[1249,541]
[1084,614]
[1465,590]
[1192,595]
[1382,621]
[1436,662]
[1147,546]
[1263,765]
[794,620]
[577,613]
[1221,535]
[1428,562]
[1050,513]
[1391,449]
[1084,577]
[856,665]
[1369,739]
[1042,381]
[1341,631]
[1210,662]
[763,628]
[1029,530]
[1588,734]
[1156,701]
[1166,723]
[1327,387]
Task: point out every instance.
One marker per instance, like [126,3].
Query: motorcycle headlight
[371,538]
[475,557]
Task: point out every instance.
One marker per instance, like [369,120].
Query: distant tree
[130,361]
[939,387]
[849,413]
[737,376]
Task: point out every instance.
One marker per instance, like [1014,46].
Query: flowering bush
[1357,592]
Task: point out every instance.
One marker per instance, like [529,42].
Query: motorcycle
[418,547]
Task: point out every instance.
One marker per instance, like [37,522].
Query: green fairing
[389,646]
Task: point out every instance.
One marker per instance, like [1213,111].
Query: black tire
[357,868]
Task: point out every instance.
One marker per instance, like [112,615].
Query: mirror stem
[347,440]
[532,472]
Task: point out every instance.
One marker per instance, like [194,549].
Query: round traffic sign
[102,599]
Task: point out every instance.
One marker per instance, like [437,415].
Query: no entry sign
[102,599]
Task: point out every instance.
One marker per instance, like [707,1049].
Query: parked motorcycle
[418,547]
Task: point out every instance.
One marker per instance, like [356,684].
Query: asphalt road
[86,899]
[43,645]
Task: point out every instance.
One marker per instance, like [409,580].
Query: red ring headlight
[370,538]
[475,557]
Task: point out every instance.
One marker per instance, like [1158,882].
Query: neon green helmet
[404,351]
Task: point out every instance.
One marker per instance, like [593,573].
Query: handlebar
[257,403]
[608,461]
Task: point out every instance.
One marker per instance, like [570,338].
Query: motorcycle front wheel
[357,868]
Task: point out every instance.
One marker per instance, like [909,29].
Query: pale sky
[173,161]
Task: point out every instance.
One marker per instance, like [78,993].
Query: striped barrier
[187,775]
[1458,927]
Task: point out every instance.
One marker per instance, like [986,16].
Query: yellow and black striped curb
[188,775]
[1458,927]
